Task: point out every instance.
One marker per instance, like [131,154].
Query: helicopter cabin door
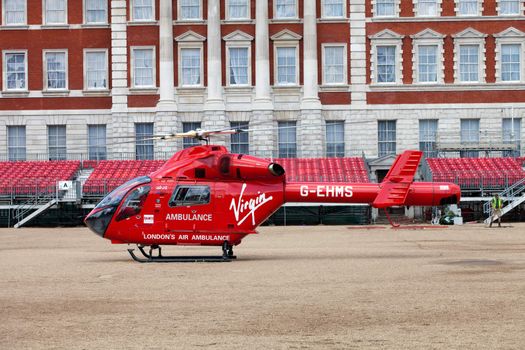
[190,211]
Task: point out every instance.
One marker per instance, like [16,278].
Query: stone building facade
[311,77]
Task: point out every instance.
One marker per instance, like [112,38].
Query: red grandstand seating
[325,169]
[477,172]
[109,174]
[29,177]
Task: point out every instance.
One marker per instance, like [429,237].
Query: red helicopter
[205,195]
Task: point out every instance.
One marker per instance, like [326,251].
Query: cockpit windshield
[115,197]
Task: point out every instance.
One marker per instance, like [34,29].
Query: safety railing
[515,190]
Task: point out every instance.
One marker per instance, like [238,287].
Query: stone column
[358,53]
[215,99]
[166,71]
[311,87]
[262,56]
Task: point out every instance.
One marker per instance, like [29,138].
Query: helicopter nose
[98,220]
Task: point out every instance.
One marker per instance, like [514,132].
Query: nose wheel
[150,255]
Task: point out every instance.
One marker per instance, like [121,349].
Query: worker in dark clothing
[496,204]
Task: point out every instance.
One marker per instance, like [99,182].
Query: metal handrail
[516,188]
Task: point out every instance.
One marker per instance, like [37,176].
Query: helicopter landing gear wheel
[149,257]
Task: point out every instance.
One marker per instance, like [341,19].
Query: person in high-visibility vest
[496,204]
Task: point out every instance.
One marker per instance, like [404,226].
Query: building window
[55,11]
[333,9]
[469,63]
[190,142]
[238,9]
[285,9]
[428,136]
[334,65]
[468,7]
[143,142]
[286,65]
[385,8]
[95,11]
[96,70]
[142,10]
[240,142]
[386,137]
[15,68]
[190,9]
[335,138]
[512,134]
[55,70]
[427,63]
[190,66]
[510,62]
[143,67]
[386,64]
[509,7]
[238,65]
[427,8]
[16,143]
[287,140]
[469,135]
[56,135]
[14,12]
[97,142]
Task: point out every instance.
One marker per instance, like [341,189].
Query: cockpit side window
[190,195]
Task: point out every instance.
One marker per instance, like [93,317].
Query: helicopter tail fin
[395,186]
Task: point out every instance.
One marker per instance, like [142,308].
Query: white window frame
[345,63]
[510,36]
[132,73]
[520,9]
[84,12]
[285,44]
[227,12]
[387,38]
[44,14]
[188,45]
[238,39]
[470,36]
[438,9]
[84,60]
[479,13]
[428,37]
[324,16]
[285,18]
[44,69]
[4,69]
[4,17]
[132,10]
[396,9]
[179,12]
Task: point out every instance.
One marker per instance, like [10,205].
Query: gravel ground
[326,287]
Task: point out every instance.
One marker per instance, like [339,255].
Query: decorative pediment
[237,35]
[469,33]
[510,33]
[386,34]
[428,34]
[190,36]
[286,35]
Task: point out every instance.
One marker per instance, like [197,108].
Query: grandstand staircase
[25,212]
[516,195]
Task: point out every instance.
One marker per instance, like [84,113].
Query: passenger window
[190,195]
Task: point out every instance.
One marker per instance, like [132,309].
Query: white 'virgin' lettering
[252,205]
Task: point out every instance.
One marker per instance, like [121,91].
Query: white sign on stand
[65,185]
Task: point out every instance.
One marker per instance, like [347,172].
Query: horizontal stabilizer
[394,188]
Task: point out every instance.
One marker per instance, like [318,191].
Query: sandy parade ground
[323,287]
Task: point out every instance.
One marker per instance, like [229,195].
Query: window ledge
[284,88]
[55,93]
[55,26]
[190,89]
[188,21]
[416,87]
[96,92]
[334,88]
[238,89]
[143,23]
[238,21]
[333,20]
[445,18]
[285,20]
[15,93]
[14,27]
[95,25]
[143,91]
